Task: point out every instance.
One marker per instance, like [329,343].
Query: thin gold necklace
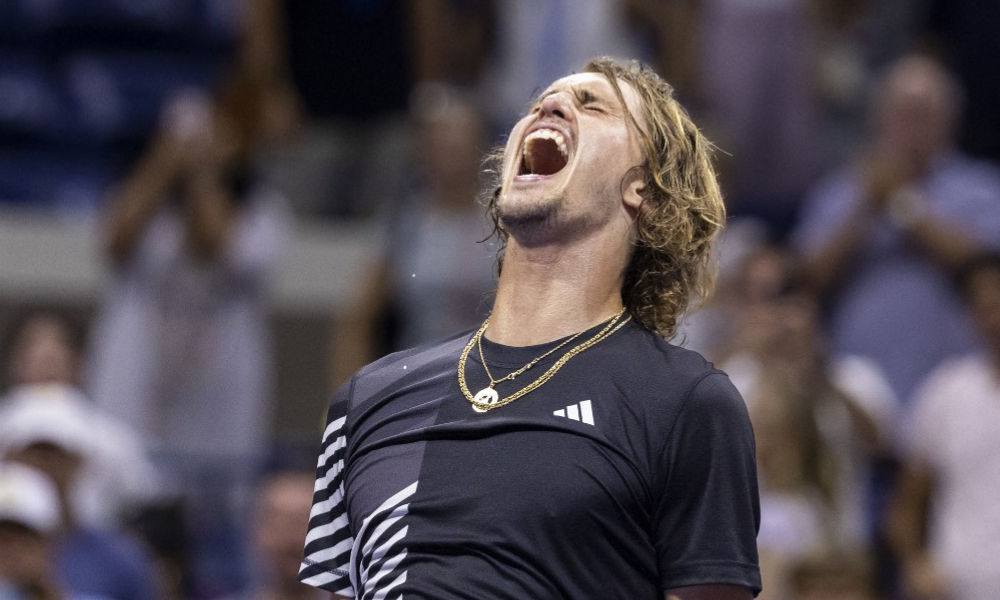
[488,399]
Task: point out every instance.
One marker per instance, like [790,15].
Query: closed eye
[590,102]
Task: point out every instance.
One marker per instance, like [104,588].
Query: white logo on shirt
[577,412]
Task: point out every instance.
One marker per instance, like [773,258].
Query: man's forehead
[591,81]
[577,79]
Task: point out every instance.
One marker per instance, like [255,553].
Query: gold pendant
[487,396]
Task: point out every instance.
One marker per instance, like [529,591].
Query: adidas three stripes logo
[582,411]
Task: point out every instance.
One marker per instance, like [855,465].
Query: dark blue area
[82,85]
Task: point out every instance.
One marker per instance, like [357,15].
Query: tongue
[542,157]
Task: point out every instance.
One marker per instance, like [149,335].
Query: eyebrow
[585,94]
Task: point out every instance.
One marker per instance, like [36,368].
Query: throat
[542,303]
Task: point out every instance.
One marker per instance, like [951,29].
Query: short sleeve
[708,509]
[329,541]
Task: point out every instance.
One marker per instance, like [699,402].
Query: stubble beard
[532,223]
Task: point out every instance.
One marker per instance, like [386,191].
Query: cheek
[511,149]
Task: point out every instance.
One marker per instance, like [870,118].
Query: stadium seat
[53,180]
[119,97]
[30,104]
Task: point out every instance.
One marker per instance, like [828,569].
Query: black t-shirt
[631,471]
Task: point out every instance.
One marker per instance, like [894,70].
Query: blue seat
[119,97]
[219,23]
[30,103]
[53,180]
[105,20]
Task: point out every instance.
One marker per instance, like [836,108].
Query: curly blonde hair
[671,268]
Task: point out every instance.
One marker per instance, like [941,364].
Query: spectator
[946,521]
[55,440]
[880,234]
[43,358]
[833,575]
[434,275]
[541,40]
[967,33]
[42,346]
[181,349]
[280,520]
[820,420]
[455,40]
[337,75]
[756,68]
[29,518]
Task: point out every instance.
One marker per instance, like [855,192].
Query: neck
[549,292]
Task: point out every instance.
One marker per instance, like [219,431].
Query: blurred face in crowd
[281,523]
[43,353]
[916,108]
[24,555]
[779,322]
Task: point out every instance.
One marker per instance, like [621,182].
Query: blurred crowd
[857,309]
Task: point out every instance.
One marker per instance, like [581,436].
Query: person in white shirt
[946,520]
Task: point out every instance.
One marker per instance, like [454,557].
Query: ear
[634,190]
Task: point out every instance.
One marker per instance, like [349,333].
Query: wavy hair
[671,268]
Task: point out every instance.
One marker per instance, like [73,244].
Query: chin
[525,218]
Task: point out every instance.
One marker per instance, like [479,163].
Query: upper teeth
[549,134]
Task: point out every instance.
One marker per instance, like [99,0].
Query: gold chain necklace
[494,382]
[488,399]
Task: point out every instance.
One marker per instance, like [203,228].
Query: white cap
[28,497]
[51,413]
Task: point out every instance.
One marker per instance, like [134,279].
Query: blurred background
[212,212]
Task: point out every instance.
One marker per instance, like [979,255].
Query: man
[29,527]
[42,359]
[280,515]
[945,523]
[881,235]
[565,449]
[29,515]
[55,435]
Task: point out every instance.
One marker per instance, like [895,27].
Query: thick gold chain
[613,325]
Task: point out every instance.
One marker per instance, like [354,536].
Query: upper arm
[705,524]
[327,556]
[709,592]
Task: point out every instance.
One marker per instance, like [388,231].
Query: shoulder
[945,399]
[951,389]
[952,376]
[415,364]
[668,378]
[646,349]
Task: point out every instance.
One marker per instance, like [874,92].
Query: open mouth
[544,153]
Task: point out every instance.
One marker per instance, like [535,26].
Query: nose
[556,105]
